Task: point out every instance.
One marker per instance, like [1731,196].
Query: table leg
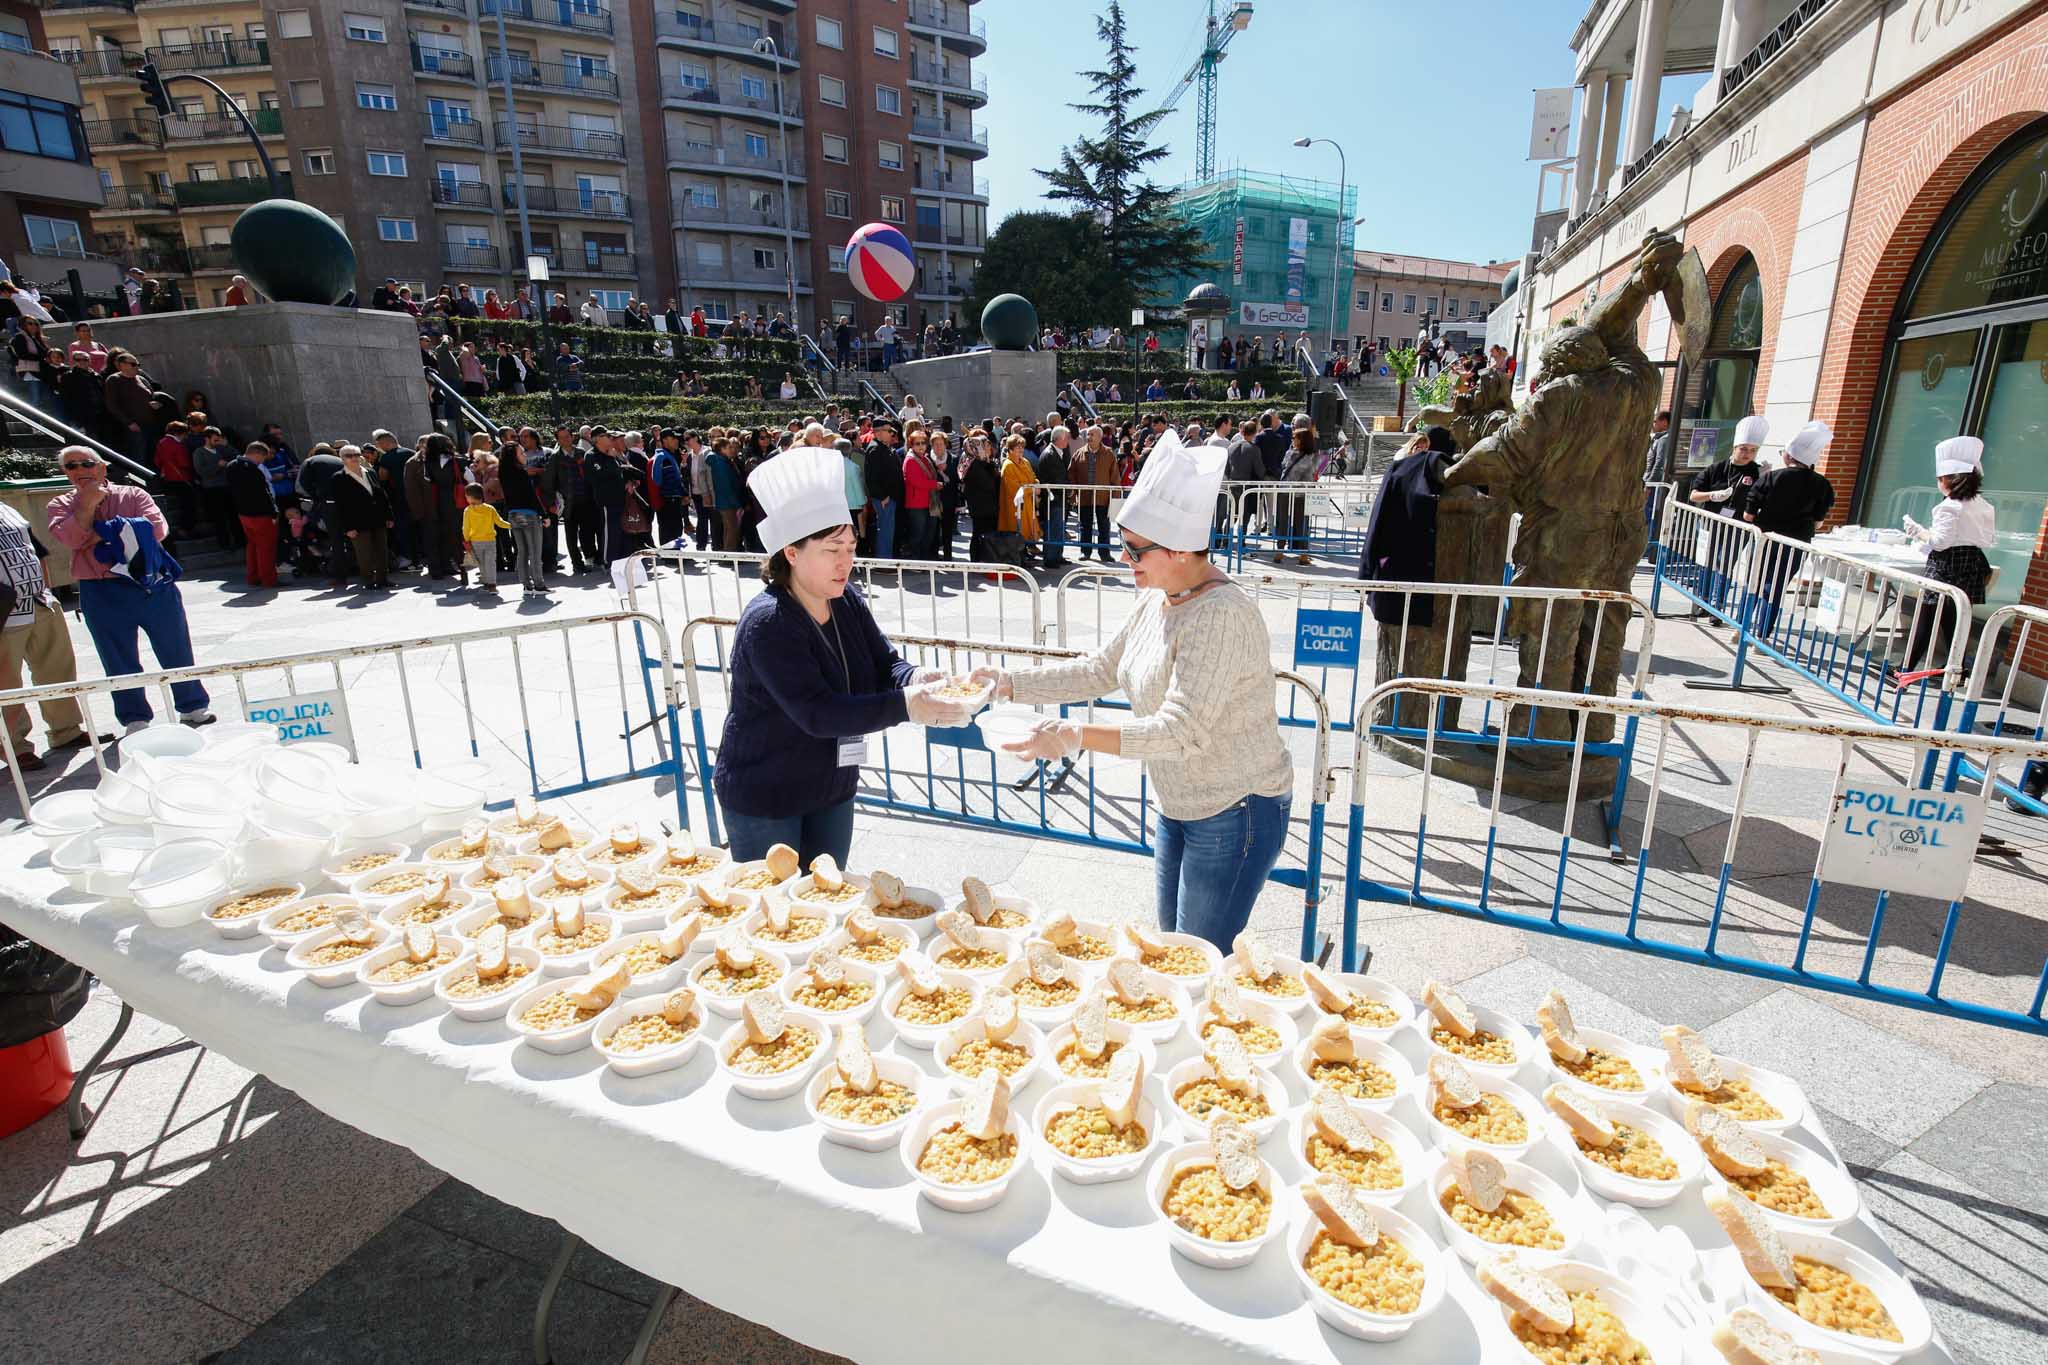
[650,1324]
[74,1106]
[548,1290]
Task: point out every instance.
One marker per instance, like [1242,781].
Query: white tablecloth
[742,1203]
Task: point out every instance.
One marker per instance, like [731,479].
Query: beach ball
[880,262]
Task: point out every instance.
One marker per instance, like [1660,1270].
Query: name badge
[853,753]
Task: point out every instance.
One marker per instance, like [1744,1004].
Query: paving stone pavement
[211,1216]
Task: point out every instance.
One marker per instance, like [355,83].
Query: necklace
[1176,598]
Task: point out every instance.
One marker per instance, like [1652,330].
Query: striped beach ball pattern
[880,263]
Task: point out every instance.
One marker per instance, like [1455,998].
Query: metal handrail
[28,414]
[875,399]
[470,410]
[1074,388]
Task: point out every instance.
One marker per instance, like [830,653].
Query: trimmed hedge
[614,341]
[641,410]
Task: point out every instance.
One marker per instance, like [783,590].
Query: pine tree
[1148,241]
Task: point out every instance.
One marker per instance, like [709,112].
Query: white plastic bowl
[1648,1062]
[1569,1216]
[637,921]
[1259,1012]
[580,834]
[186,798]
[418,988]
[919,925]
[801,891]
[926,1035]
[1644,1194]
[1356,1322]
[1531,1110]
[1373,988]
[476,1009]
[289,938]
[600,878]
[1286,966]
[62,816]
[1002,900]
[237,741]
[572,1038]
[1095,1170]
[122,796]
[568,964]
[1046,1016]
[1204,1250]
[1416,1160]
[930,1119]
[646,1061]
[246,926]
[331,867]
[939,944]
[436,851]
[1646,1322]
[1780,1090]
[783,1083]
[101,861]
[525,867]
[1194,985]
[1122,1034]
[1006,723]
[334,974]
[162,740]
[855,971]
[1489,1021]
[1164,1031]
[661,981]
[1095,968]
[175,882]
[1369,1049]
[359,886]
[1195,1068]
[282,846]
[967,1031]
[728,1005]
[460,903]
[798,950]
[869,1137]
[839,939]
[296,777]
[1831,1184]
[1900,1299]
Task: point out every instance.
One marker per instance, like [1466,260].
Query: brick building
[1867,184]
[48,190]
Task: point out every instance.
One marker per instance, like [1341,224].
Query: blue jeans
[822,831]
[885,527]
[115,612]
[1208,872]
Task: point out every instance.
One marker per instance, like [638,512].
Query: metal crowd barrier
[1517,869]
[1068,525]
[951,775]
[2003,715]
[524,695]
[1326,518]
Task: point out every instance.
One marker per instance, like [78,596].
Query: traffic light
[153,92]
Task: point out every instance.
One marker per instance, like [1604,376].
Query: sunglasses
[81,464]
[1136,553]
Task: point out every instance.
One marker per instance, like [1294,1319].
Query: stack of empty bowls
[452,794]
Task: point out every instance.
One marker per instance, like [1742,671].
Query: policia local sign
[305,718]
[1902,839]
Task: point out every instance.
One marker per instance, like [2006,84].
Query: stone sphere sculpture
[293,252]
[1010,323]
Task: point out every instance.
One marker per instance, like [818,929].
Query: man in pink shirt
[117,609]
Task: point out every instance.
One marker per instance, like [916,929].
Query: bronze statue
[1475,412]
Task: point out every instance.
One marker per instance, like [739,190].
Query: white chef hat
[802,492]
[1752,431]
[1958,455]
[1808,442]
[1174,500]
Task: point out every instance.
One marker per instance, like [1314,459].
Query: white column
[1653,34]
[1610,128]
[1742,27]
[1592,102]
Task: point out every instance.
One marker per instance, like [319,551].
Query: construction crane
[1215,37]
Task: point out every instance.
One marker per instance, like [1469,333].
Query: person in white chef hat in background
[1728,487]
[1790,501]
[1193,661]
[1965,526]
[812,674]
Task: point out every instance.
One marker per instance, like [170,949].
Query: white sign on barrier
[1834,595]
[1902,839]
[305,717]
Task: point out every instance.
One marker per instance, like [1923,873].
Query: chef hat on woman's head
[1958,455]
[1808,442]
[802,492]
[1174,500]
[1752,431]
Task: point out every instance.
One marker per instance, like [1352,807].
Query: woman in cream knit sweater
[1194,661]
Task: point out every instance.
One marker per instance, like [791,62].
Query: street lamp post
[537,274]
[1337,248]
[767,47]
[1137,323]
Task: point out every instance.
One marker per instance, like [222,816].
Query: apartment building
[783,125]
[398,117]
[1394,296]
[47,187]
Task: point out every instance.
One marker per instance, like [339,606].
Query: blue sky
[1431,103]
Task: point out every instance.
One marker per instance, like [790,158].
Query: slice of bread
[825,873]
[960,930]
[682,846]
[1224,1000]
[1342,1213]
[491,953]
[679,1005]
[1449,1009]
[986,1110]
[352,926]
[525,810]
[1730,1147]
[1744,1337]
[979,901]
[1693,1064]
[625,836]
[419,943]
[568,917]
[554,835]
[499,867]
[782,862]
[862,927]
[1560,1030]
[856,1064]
[571,871]
[1330,1040]
[1480,1177]
[999,1013]
[888,889]
[1060,930]
[717,889]
[1237,1152]
[1119,1093]
[1763,1252]
[678,937]
[1449,1078]
[474,837]
[775,909]
[510,898]
[1146,943]
[1091,1025]
[1337,1123]
[1580,1114]
[1044,962]
[919,972]
[1127,978]
[601,988]
[826,969]
[1231,1063]
[636,879]
[1327,994]
[436,889]
[734,953]
[1254,956]
[761,1011]
[1533,1296]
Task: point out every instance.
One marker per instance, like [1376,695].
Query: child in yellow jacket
[481,523]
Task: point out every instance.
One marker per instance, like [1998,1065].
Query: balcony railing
[928,126]
[99,63]
[710,157]
[444,6]
[227,53]
[579,202]
[926,14]
[211,256]
[611,264]
[122,132]
[153,258]
[462,256]
[442,61]
[442,128]
[743,276]
[572,80]
[466,194]
[931,234]
[134,198]
[580,15]
[267,122]
[729,35]
[126,6]
[1774,42]
[689,215]
[731,95]
[549,137]
[976,185]
[195,194]
[946,78]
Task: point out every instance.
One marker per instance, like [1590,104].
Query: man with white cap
[1727,487]
[812,674]
[1965,526]
[1193,660]
[1790,501]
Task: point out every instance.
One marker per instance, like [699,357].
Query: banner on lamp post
[1237,256]
[1550,125]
